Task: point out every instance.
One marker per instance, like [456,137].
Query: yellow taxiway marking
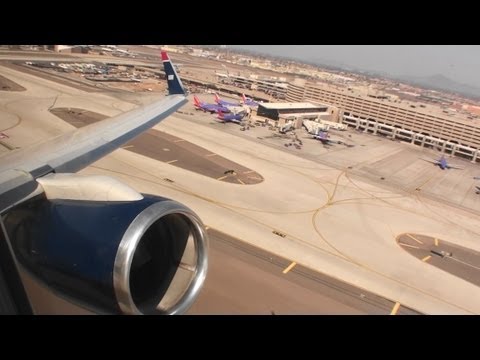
[223,177]
[410,246]
[436,242]
[179,140]
[290,267]
[426,258]
[210,155]
[249,172]
[171,161]
[411,237]
[240,181]
[128,146]
[395,309]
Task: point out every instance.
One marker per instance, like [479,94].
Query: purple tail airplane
[212,108]
[442,163]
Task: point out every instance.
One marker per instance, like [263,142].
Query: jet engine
[146,256]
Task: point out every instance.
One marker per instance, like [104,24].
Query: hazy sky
[460,63]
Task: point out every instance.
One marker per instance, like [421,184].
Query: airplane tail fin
[174,83]
[217,99]
[244,99]
[196,101]
[323,135]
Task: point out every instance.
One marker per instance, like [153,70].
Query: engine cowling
[147,256]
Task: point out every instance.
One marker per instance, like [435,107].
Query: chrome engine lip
[130,241]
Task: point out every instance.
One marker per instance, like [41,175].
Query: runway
[246,280]
[325,210]
[243,280]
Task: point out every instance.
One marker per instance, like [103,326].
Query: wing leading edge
[79,148]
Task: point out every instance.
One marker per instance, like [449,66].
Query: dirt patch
[77,117]
[457,260]
[9,85]
[172,150]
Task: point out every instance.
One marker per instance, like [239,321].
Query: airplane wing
[79,148]
[76,150]
[92,239]
[454,167]
[430,161]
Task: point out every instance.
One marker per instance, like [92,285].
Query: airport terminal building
[276,110]
[450,133]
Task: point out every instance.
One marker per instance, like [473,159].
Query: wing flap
[15,186]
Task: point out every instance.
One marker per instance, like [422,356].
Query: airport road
[243,279]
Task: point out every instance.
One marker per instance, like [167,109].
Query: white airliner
[92,239]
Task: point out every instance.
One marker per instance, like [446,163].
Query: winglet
[174,83]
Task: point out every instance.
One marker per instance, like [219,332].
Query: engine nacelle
[147,256]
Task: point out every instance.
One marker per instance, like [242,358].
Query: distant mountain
[434,82]
[441,82]
[331,64]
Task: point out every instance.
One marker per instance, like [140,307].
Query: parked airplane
[248,101]
[212,108]
[231,117]
[324,137]
[92,239]
[225,103]
[442,163]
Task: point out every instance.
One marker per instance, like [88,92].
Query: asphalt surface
[173,150]
[455,259]
[243,279]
